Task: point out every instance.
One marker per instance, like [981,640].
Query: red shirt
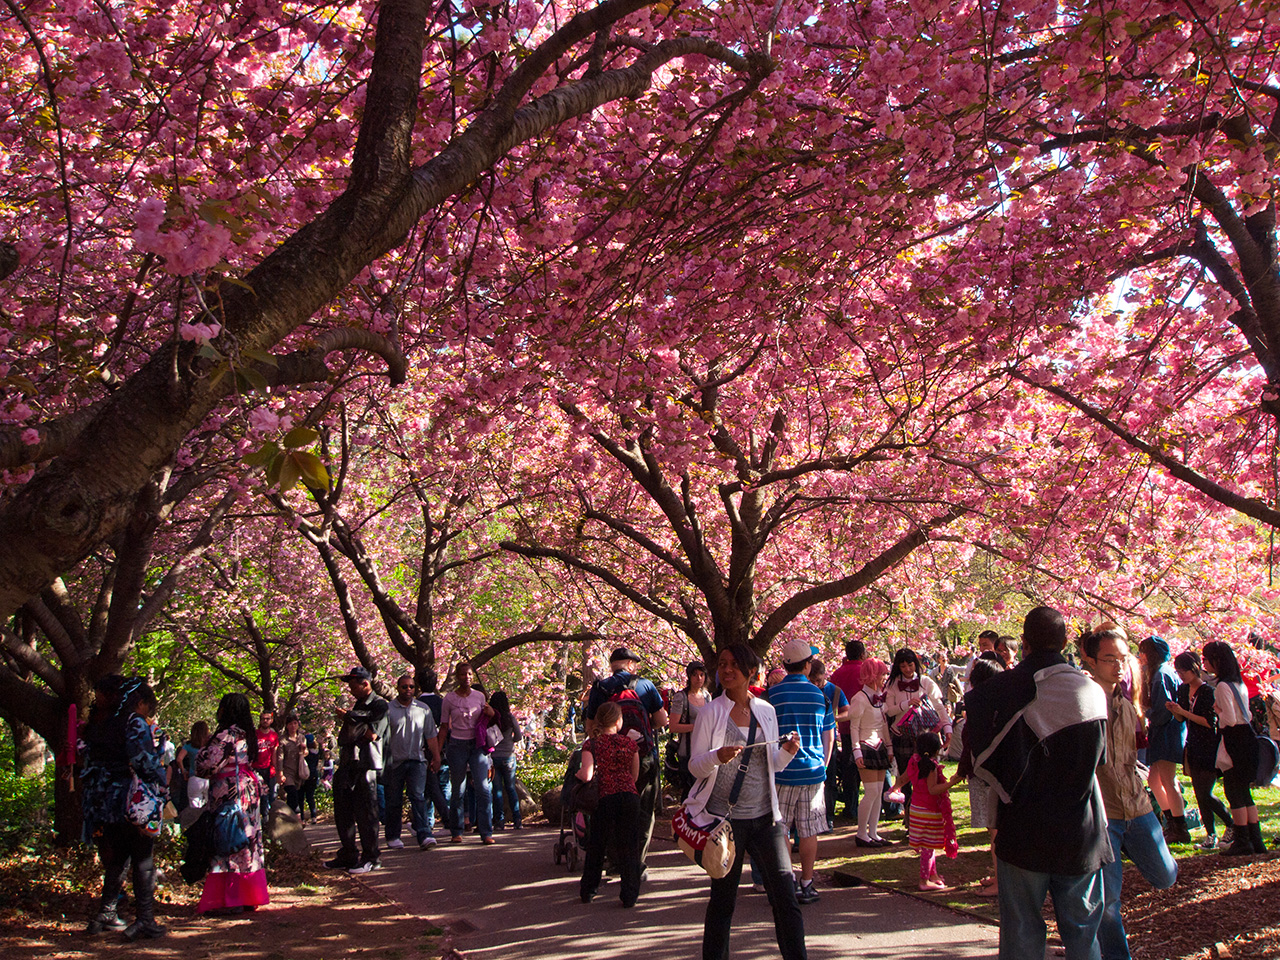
[267,743]
[848,677]
[612,753]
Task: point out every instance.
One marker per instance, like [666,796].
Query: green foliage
[26,805]
[287,464]
[543,769]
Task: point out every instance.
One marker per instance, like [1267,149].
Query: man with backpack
[642,716]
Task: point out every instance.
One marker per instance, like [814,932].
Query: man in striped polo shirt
[802,707]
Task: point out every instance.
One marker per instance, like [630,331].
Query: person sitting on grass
[931,828]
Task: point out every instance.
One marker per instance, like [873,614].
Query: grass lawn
[898,867]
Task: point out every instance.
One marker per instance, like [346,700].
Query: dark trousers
[266,793]
[307,794]
[355,810]
[647,786]
[1210,806]
[293,797]
[615,826]
[120,845]
[850,779]
[766,842]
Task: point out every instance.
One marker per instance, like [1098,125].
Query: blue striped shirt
[802,707]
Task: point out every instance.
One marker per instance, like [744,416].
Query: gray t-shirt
[754,799]
[410,727]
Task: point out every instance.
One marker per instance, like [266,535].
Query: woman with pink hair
[869,733]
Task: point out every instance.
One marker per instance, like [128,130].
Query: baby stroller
[573,822]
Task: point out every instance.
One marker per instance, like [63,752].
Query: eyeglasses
[1110,661]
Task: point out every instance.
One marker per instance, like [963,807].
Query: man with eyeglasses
[412,737]
[1131,823]
[1038,732]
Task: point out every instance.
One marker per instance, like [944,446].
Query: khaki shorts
[802,804]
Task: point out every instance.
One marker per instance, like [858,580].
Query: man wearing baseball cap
[355,783]
[622,686]
[802,707]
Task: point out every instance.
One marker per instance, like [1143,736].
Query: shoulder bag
[585,795]
[229,834]
[1236,738]
[711,847]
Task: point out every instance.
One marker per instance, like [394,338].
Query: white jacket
[709,731]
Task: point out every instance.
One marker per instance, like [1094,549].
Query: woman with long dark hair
[908,689]
[1195,706]
[1166,735]
[239,881]
[119,745]
[733,723]
[1238,752]
[504,763]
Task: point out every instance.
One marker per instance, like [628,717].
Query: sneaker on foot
[1210,842]
[338,863]
[806,893]
[1228,837]
[366,867]
[426,843]
[396,844]
[758,887]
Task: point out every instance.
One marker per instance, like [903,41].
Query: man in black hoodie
[1038,734]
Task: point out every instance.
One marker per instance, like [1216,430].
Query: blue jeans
[1077,903]
[463,758]
[410,775]
[1144,842]
[504,788]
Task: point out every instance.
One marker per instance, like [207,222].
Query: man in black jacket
[355,783]
[1038,734]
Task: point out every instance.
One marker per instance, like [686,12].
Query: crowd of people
[1084,746]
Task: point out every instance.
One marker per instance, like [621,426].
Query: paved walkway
[509,901]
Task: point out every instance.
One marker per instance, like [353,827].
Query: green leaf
[300,437]
[273,471]
[249,379]
[290,471]
[261,356]
[208,352]
[313,473]
[262,456]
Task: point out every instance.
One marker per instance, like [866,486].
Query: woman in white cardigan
[721,731]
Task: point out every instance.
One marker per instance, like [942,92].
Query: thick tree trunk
[28,751]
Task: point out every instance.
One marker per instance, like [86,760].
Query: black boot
[144,896]
[1176,830]
[1241,846]
[107,919]
[1255,838]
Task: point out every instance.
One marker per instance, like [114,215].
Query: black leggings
[1210,806]
[1236,786]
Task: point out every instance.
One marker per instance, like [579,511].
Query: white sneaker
[396,844]
[427,843]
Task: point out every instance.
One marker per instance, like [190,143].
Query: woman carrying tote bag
[719,737]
